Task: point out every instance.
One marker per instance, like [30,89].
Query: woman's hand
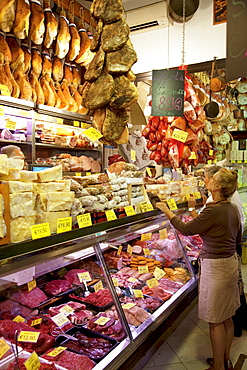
[191,202]
[163,207]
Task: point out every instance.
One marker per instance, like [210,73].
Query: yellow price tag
[76,123]
[84,276]
[88,173]
[84,220]
[102,320]
[197,195]
[138,293]
[56,351]
[33,362]
[78,173]
[92,134]
[201,183]
[129,249]
[163,234]
[187,196]
[28,336]
[128,306]
[143,269]
[132,280]
[192,155]
[40,230]
[145,237]
[129,210]
[1,110]
[209,161]
[19,318]
[158,273]
[85,125]
[62,272]
[119,251]
[64,224]
[60,319]
[211,152]
[98,286]
[145,207]
[146,251]
[179,135]
[36,322]
[4,90]
[149,171]
[31,285]
[110,215]
[115,281]
[66,310]
[10,125]
[152,283]
[60,120]
[132,155]
[4,347]
[171,204]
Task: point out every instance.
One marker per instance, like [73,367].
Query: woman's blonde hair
[228,180]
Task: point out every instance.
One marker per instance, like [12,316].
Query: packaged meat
[32,299]
[56,287]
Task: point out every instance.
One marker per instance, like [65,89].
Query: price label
[143,269]
[128,306]
[4,90]
[28,336]
[192,155]
[158,273]
[129,249]
[1,110]
[60,120]
[78,173]
[115,281]
[119,251]
[132,155]
[24,113]
[110,215]
[19,318]
[197,195]
[31,285]
[152,283]
[163,234]
[64,224]
[102,320]
[132,280]
[129,210]
[179,135]
[36,322]
[149,171]
[92,134]
[145,237]
[60,319]
[10,125]
[171,204]
[40,230]
[84,276]
[33,362]
[145,207]
[210,152]
[201,183]
[88,173]
[76,123]
[84,220]
[85,125]
[187,196]
[66,310]
[209,161]
[138,293]
[62,272]
[55,352]
[4,347]
[98,286]
[146,251]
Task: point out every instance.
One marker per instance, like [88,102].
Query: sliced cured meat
[85,163]
[95,166]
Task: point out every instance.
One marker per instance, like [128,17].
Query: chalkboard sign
[236,61]
[168,93]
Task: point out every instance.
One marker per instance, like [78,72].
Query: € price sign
[84,220]
[40,230]
[64,224]
[92,134]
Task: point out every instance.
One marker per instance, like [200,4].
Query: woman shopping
[220,228]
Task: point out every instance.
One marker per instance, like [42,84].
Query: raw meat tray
[91,306]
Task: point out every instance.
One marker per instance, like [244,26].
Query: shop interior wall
[203,41]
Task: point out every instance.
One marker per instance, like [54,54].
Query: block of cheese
[1,205]
[14,174]
[55,201]
[15,163]
[3,229]
[52,218]
[20,228]
[28,176]
[4,168]
[20,187]
[50,174]
[47,187]
[22,204]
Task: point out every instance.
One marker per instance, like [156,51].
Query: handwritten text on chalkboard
[168,93]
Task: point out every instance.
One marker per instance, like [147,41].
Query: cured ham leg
[50,98]
[26,91]
[75,42]
[37,22]
[37,87]
[57,69]
[63,37]
[22,15]
[4,80]
[4,47]
[27,57]
[7,15]
[51,25]
[15,87]
[64,102]
[73,106]
[85,44]
[46,64]
[36,61]
[16,51]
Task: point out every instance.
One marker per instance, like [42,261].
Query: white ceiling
[128,4]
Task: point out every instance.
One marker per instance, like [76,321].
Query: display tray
[62,340]
[156,301]
[90,306]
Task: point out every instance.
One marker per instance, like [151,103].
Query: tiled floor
[189,345]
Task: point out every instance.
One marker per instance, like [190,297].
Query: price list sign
[168,93]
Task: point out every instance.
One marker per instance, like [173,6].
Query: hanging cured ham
[85,44]
[36,61]
[27,57]
[46,64]
[37,87]
[7,15]
[16,51]
[4,80]
[26,91]
[37,22]
[4,47]
[22,15]
[107,10]
[63,37]
[74,47]
[51,25]
[50,98]
[57,69]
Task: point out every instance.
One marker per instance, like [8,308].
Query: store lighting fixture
[148,229]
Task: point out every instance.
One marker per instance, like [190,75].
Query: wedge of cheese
[14,174]
[55,201]
[4,168]
[20,187]
[3,229]
[52,218]
[20,228]
[50,174]
[1,205]
[15,163]
[28,176]
[22,204]
[47,187]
